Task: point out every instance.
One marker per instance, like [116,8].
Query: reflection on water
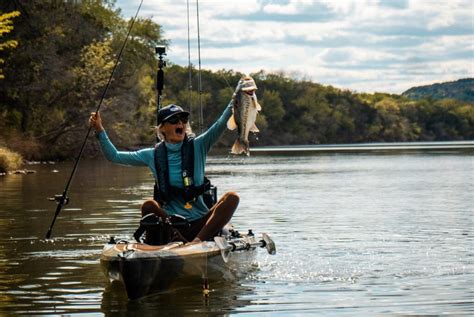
[357,234]
[224,298]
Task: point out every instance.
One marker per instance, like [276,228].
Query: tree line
[55,75]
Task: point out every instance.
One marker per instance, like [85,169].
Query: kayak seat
[153,230]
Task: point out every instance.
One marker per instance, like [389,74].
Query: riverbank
[365,147]
[9,160]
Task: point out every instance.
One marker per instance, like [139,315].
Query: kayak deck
[144,269]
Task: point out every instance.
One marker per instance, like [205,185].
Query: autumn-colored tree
[6,26]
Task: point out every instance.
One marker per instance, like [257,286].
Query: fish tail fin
[240,147]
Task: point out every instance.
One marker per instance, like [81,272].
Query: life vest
[163,191]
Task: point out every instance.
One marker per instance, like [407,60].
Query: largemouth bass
[245,110]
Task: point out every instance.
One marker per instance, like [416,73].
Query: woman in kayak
[174,131]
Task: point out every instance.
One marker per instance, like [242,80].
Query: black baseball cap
[169,111]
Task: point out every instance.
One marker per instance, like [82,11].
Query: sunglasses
[176,119]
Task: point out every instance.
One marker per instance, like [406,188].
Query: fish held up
[245,110]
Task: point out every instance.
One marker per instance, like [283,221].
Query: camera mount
[160,50]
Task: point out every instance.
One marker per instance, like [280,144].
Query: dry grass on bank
[9,160]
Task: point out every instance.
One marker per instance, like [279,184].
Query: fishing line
[201,126]
[63,199]
[190,83]
[201,115]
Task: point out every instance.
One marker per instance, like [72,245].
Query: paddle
[63,199]
[227,247]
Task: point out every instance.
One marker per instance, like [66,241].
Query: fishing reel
[59,199]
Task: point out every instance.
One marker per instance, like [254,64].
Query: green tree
[68,49]
[272,106]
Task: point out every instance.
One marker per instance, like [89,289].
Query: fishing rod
[62,199]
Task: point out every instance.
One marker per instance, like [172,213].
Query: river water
[358,234]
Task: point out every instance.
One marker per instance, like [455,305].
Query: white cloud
[364,45]
[291,8]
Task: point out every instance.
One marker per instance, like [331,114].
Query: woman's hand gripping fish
[245,110]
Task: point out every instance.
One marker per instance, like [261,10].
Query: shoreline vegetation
[13,163]
[9,161]
[65,52]
[391,147]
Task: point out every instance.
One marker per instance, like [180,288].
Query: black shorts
[190,232]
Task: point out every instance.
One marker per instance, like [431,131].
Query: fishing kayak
[145,269]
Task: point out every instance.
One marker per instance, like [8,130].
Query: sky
[360,45]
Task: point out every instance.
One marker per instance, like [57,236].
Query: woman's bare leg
[220,215]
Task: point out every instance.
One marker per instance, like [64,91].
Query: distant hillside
[462,90]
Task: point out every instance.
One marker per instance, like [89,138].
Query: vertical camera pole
[160,50]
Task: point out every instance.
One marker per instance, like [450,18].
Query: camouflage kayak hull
[144,269]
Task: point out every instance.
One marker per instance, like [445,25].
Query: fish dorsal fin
[231,124]
[254,129]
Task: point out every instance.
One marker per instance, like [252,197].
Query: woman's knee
[150,206]
[232,197]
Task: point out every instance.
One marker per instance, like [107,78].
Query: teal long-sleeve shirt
[145,157]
